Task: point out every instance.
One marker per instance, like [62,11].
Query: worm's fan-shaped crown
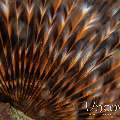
[60,59]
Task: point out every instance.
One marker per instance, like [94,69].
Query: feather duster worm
[60,59]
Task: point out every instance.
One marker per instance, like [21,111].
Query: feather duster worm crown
[57,54]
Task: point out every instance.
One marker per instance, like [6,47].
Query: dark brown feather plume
[57,54]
